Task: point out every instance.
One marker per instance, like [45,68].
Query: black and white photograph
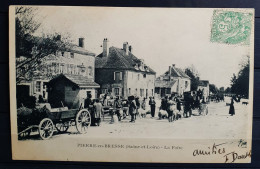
[115,84]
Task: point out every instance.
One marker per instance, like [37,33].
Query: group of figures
[172,107]
[118,108]
[175,108]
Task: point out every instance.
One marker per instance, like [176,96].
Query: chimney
[58,37]
[81,42]
[105,47]
[170,72]
[126,48]
[131,49]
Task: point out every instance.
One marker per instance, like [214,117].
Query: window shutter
[34,86]
[121,76]
[114,75]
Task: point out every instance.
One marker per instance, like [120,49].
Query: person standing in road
[232,108]
[170,109]
[164,103]
[152,105]
[178,106]
[188,105]
[137,102]
[105,101]
[132,108]
[118,107]
[88,101]
[143,108]
[98,111]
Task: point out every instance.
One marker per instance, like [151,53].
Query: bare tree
[31,50]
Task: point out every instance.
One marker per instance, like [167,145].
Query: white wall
[142,83]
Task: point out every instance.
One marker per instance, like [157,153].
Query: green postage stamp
[231,27]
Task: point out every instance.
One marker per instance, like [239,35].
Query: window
[118,76]
[129,91]
[88,93]
[61,68]
[71,68]
[38,86]
[116,91]
[144,75]
[62,53]
[74,69]
[186,84]
[138,76]
[72,55]
[141,92]
[104,91]
[152,92]
[90,71]
[83,70]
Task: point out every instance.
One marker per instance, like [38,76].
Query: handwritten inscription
[219,149]
[215,149]
[242,143]
[233,156]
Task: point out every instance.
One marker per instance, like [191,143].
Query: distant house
[73,60]
[69,90]
[204,87]
[120,73]
[173,81]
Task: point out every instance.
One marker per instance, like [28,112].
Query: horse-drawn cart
[46,120]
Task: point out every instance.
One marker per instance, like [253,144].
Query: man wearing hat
[132,108]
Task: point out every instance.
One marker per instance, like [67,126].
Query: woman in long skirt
[232,108]
[152,104]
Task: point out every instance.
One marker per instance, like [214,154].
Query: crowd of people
[118,108]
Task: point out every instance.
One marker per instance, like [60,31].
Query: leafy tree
[240,83]
[194,75]
[213,89]
[228,90]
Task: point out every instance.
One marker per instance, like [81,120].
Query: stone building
[173,81]
[73,60]
[120,73]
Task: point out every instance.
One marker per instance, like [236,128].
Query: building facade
[74,60]
[120,73]
[173,81]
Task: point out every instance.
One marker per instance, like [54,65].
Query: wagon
[46,120]
[192,104]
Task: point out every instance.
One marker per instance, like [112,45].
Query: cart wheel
[46,128]
[83,120]
[62,127]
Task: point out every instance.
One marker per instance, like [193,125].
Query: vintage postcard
[112,84]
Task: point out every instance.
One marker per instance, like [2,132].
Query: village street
[218,124]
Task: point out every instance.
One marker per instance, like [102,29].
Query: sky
[160,36]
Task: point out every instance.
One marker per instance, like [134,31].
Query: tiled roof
[203,83]
[164,83]
[79,80]
[68,46]
[177,72]
[117,59]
